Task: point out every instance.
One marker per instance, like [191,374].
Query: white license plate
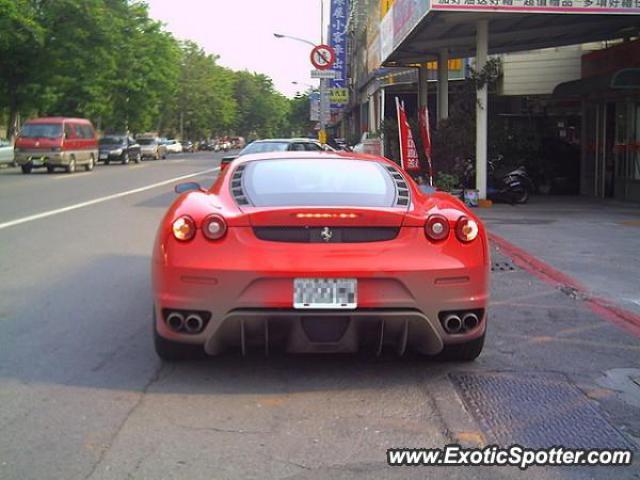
[104,156]
[337,293]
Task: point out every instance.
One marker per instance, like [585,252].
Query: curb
[618,316]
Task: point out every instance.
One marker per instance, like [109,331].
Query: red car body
[413,292]
[54,142]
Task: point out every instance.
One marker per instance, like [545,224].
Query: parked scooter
[513,186]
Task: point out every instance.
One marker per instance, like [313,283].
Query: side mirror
[224,163]
[187,187]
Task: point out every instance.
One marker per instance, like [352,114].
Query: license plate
[104,156]
[336,293]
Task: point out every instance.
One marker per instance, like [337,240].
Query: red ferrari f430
[319,252]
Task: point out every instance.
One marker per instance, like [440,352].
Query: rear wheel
[463,352]
[26,169]
[170,351]
[72,165]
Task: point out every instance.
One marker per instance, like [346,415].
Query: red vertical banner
[425,135]
[409,159]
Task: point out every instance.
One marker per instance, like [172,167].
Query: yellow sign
[339,96]
[385,5]
[322,136]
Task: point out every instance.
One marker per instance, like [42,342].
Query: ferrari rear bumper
[403,294]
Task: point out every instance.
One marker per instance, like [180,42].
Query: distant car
[119,148]
[275,145]
[152,148]
[6,153]
[314,252]
[174,146]
[188,147]
[54,142]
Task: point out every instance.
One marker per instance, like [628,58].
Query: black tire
[164,156]
[463,352]
[26,169]
[125,158]
[521,195]
[169,351]
[50,169]
[71,168]
[92,163]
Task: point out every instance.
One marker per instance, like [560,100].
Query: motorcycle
[511,186]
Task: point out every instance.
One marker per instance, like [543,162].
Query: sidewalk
[589,247]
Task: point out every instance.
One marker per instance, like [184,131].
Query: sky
[241,33]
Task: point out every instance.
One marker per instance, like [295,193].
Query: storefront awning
[509,32]
[624,79]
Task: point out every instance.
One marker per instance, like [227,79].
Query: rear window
[265,147]
[318,182]
[41,130]
[111,140]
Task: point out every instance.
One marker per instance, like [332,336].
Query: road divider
[57,211]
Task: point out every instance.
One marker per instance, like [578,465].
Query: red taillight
[437,227]
[466,229]
[184,228]
[214,227]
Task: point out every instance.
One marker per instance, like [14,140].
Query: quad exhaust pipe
[470,321]
[193,323]
[175,321]
[452,323]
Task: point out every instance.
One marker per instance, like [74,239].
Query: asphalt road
[83,396]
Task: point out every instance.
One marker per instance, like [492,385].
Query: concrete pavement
[595,242]
[82,394]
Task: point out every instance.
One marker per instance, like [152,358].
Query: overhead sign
[541,6]
[323,57]
[323,74]
[338,40]
[339,96]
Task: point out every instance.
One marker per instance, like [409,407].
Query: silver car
[6,153]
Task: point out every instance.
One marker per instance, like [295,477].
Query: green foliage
[109,61]
[299,123]
[446,181]
[454,140]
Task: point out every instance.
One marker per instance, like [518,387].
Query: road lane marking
[69,208]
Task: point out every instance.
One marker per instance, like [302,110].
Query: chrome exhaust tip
[175,321]
[470,321]
[452,323]
[193,323]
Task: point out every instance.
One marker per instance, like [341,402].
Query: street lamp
[308,42]
[322,134]
[312,87]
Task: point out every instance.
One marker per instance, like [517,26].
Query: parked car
[6,153]
[386,266]
[275,145]
[119,148]
[188,147]
[57,142]
[173,146]
[152,148]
